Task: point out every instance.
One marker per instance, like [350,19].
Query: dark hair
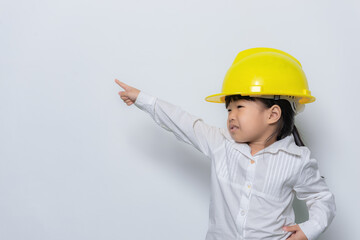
[286,124]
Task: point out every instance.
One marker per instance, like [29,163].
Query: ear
[274,114]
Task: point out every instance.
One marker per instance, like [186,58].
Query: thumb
[290,228]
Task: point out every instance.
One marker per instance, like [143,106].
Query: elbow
[330,207]
[323,208]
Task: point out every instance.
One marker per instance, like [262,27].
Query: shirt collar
[286,144]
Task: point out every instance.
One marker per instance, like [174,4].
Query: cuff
[311,229]
[144,100]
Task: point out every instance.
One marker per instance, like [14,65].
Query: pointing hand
[129,95]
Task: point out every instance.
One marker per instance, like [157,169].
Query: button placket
[244,202]
[250,176]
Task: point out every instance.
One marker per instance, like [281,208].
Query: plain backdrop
[77,163]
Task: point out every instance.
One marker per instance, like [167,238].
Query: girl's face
[247,121]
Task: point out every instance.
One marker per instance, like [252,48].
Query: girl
[259,163]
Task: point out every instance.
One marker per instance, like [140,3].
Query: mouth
[233,128]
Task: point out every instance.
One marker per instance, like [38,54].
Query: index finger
[121,84]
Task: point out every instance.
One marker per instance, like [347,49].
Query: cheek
[260,123]
[254,122]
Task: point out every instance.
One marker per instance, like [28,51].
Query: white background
[78,163]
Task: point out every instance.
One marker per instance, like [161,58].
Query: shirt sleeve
[312,188]
[185,126]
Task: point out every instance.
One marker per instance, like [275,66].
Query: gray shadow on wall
[301,211]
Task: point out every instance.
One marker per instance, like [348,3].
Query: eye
[239,106]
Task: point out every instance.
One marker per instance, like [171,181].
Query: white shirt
[251,196]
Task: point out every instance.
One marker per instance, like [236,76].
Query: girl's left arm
[312,188]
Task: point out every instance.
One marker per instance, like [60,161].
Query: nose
[231,116]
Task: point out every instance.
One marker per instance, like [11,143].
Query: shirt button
[242,212]
[252,161]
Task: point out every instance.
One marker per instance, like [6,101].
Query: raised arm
[312,188]
[185,126]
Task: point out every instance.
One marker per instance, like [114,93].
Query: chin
[238,140]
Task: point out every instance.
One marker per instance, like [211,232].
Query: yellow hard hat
[265,72]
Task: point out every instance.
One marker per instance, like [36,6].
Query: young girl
[259,163]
